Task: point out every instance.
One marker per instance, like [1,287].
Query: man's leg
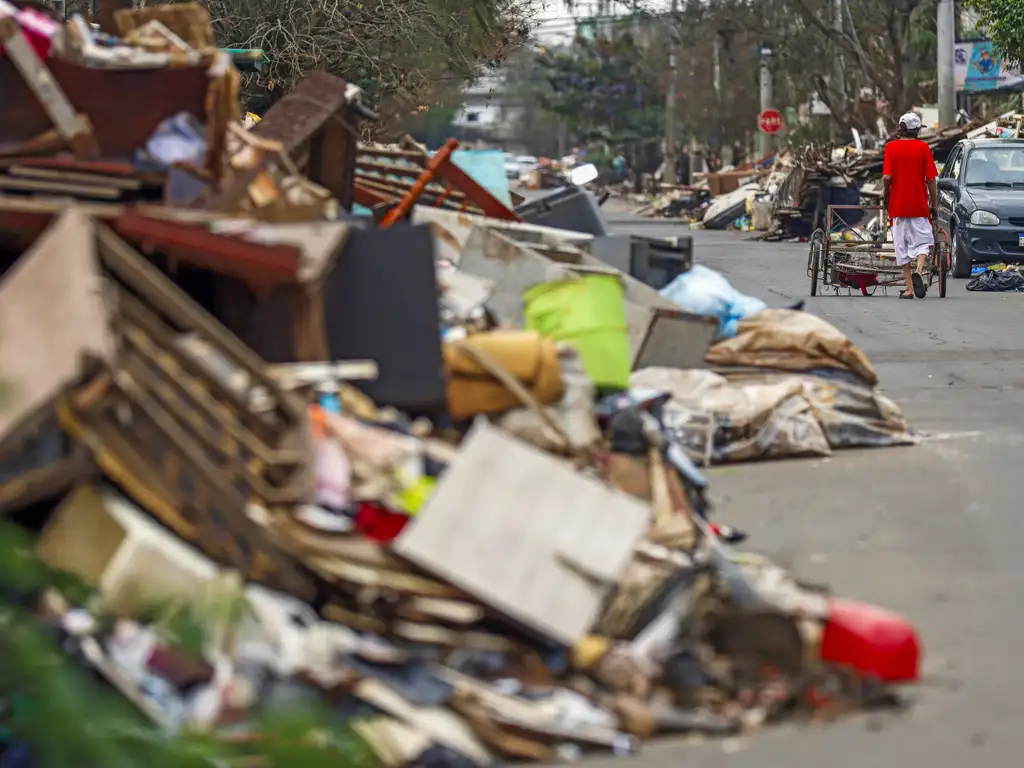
[900,245]
[922,240]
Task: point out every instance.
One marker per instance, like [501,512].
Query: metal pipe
[946,44]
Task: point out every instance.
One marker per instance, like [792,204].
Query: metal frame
[866,263]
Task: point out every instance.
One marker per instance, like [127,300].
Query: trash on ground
[434,470]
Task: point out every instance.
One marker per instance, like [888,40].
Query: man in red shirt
[911,199]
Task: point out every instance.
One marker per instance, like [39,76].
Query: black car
[981,202]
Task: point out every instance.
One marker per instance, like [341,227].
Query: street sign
[770,121]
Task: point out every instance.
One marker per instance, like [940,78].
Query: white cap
[911,121]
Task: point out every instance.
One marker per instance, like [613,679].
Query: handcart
[864,259]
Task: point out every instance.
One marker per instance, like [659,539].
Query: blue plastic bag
[704,291]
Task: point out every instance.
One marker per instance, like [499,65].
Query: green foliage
[1003,20]
[400,52]
[72,721]
[606,91]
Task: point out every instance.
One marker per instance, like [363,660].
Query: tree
[607,92]
[533,129]
[876,40]
[1003,20]
[402,53]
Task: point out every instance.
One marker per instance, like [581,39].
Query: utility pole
[669,172]
[946,44]
[717,68]
[767,97]
[838,79]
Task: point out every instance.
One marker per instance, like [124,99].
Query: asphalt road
[934,531]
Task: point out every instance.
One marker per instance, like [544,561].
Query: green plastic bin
[589,312]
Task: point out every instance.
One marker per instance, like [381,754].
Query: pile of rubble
[787,195]
[813,177]
[447,460]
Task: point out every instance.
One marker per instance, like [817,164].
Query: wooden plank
[59,286]
[58,188]
[260,263]
[332,158]
[73,129]
[525,534]
[189,21]
[74,177]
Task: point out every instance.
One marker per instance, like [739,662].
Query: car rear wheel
[962,262]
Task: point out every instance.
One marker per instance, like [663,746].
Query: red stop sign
[770,121]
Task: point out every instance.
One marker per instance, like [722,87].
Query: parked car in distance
[981,202]
[512,168]
[527,163]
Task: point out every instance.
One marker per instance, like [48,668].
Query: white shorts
[912,237]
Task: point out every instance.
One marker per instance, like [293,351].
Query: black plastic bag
[997,282]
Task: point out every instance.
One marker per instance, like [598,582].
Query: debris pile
[787,195]
[439,466]
[807,180]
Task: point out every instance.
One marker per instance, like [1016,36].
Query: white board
[526,534]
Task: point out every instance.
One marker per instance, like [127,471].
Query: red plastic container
[379,523]
[871,641]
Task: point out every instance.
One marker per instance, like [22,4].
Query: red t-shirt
[910,164]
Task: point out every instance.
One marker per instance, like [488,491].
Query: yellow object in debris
[254,118]
[588,651]
[412,497]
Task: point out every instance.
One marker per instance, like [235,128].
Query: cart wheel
[815,258]
[940,264]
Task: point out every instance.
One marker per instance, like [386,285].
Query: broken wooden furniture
[316,123]
[100,96]
[265,282]
[172,407]
[398,179]
[73,128]
[189,22]
[313,291]
[98,181]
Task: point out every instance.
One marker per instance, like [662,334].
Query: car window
[996,165]
[953,165]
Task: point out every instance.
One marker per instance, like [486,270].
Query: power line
[624,21]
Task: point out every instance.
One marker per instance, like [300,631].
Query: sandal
[920,289]
[906,295]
